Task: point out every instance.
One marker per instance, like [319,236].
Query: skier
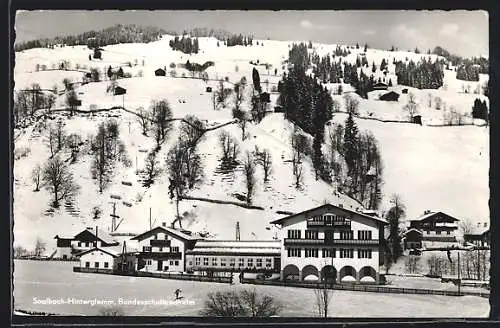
[177,293]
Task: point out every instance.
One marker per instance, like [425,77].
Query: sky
[461,32]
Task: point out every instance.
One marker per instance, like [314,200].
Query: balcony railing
[162,255]
[328,223]
[159,243]
[307,242]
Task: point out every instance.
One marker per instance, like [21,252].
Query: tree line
[112,35]
[185,44]
[424,74]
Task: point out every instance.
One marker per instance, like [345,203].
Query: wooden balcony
[159,243]
[302,242]
[327,223]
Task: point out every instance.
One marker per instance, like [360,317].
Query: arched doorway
[290,272]
[329,274]
[347,274]
[367,274]
[310,272]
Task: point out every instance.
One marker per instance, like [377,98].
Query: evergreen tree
[350,147]
[256,80]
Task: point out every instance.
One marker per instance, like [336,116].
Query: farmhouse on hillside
[160,72]
[436,227]
[479,236]
[389,96]
[331,243]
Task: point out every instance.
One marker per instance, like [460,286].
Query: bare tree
[438,103]
[249,168]
[73,142]
[58,180]
[51,100]
[230,147]
[72,100]
[192,130]
[323,299]
[215,103]
[19,251]
[60,135]
[67,84]
[152,169]
[143,117]
[411,107]
[246,303]
[264,159]
[36,175]
[52,140]
[465,226]
[102,165]
[40,247]
[351,104]
[299,148]
[162,120]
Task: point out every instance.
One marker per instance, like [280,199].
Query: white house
[162,249]
[332,243]
[87,239]
[98,258]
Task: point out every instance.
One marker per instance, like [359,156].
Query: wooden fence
[364,288]
[161,275]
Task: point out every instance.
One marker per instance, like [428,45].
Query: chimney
[485,224]
[164,224]
[96,227]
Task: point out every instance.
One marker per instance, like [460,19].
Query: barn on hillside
[119,91]
[160,72]
[389,96]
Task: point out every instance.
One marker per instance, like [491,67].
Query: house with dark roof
[119,91]
[412,239]
[160,72]
[479,236]
[380,86]
[436,226]
[162,249]
[389,96]
[331,243]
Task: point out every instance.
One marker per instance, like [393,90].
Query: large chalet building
[436,226]
[331,243]
[70,247]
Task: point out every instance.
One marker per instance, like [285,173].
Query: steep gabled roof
[329,206]
[101,235]
[431,214]
[170,231]
[107,251]
[413,229]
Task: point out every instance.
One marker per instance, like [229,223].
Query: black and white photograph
[225,163]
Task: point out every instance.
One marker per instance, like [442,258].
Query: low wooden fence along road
[365,288]
[179,276]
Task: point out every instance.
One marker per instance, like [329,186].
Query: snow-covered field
[55,280]
[432,168]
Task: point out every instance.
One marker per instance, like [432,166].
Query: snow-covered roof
[430,214]
[231,247]
[326,206]
[477,231]
[104,250]
[101,234]
[169,230]
[412,229]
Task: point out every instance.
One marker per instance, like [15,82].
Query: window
[176,263]
[329,252]
[232,262]
[448,232]
[294,252]
[364,234]
[269,263]
[346,253]
[250,263]
[160,249]
[105,264]
[346,235]
[146,248]
[214,261]
[294,234]
[259,263]
[428,232]
[205,261]
[149,262]
[197,261]
[223,262]
[311,252]
[87,264]
[171,262]
[190,263]
[79,244]
[156,237]
[438,232]
[175,249]
[311,234]
[364,253]
[96,264]
[241,262]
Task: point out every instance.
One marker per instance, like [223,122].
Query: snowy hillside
[439,168]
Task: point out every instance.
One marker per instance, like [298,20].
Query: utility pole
[150,224]
[238,231]
[459,281]
[113,218]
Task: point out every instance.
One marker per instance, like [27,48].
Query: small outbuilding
[380,86]
[119,91]
[209,89]
[160,72]
[405,91]
[417,119]
[389,96]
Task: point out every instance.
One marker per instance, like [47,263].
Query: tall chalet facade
[436,226]
[331,243]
